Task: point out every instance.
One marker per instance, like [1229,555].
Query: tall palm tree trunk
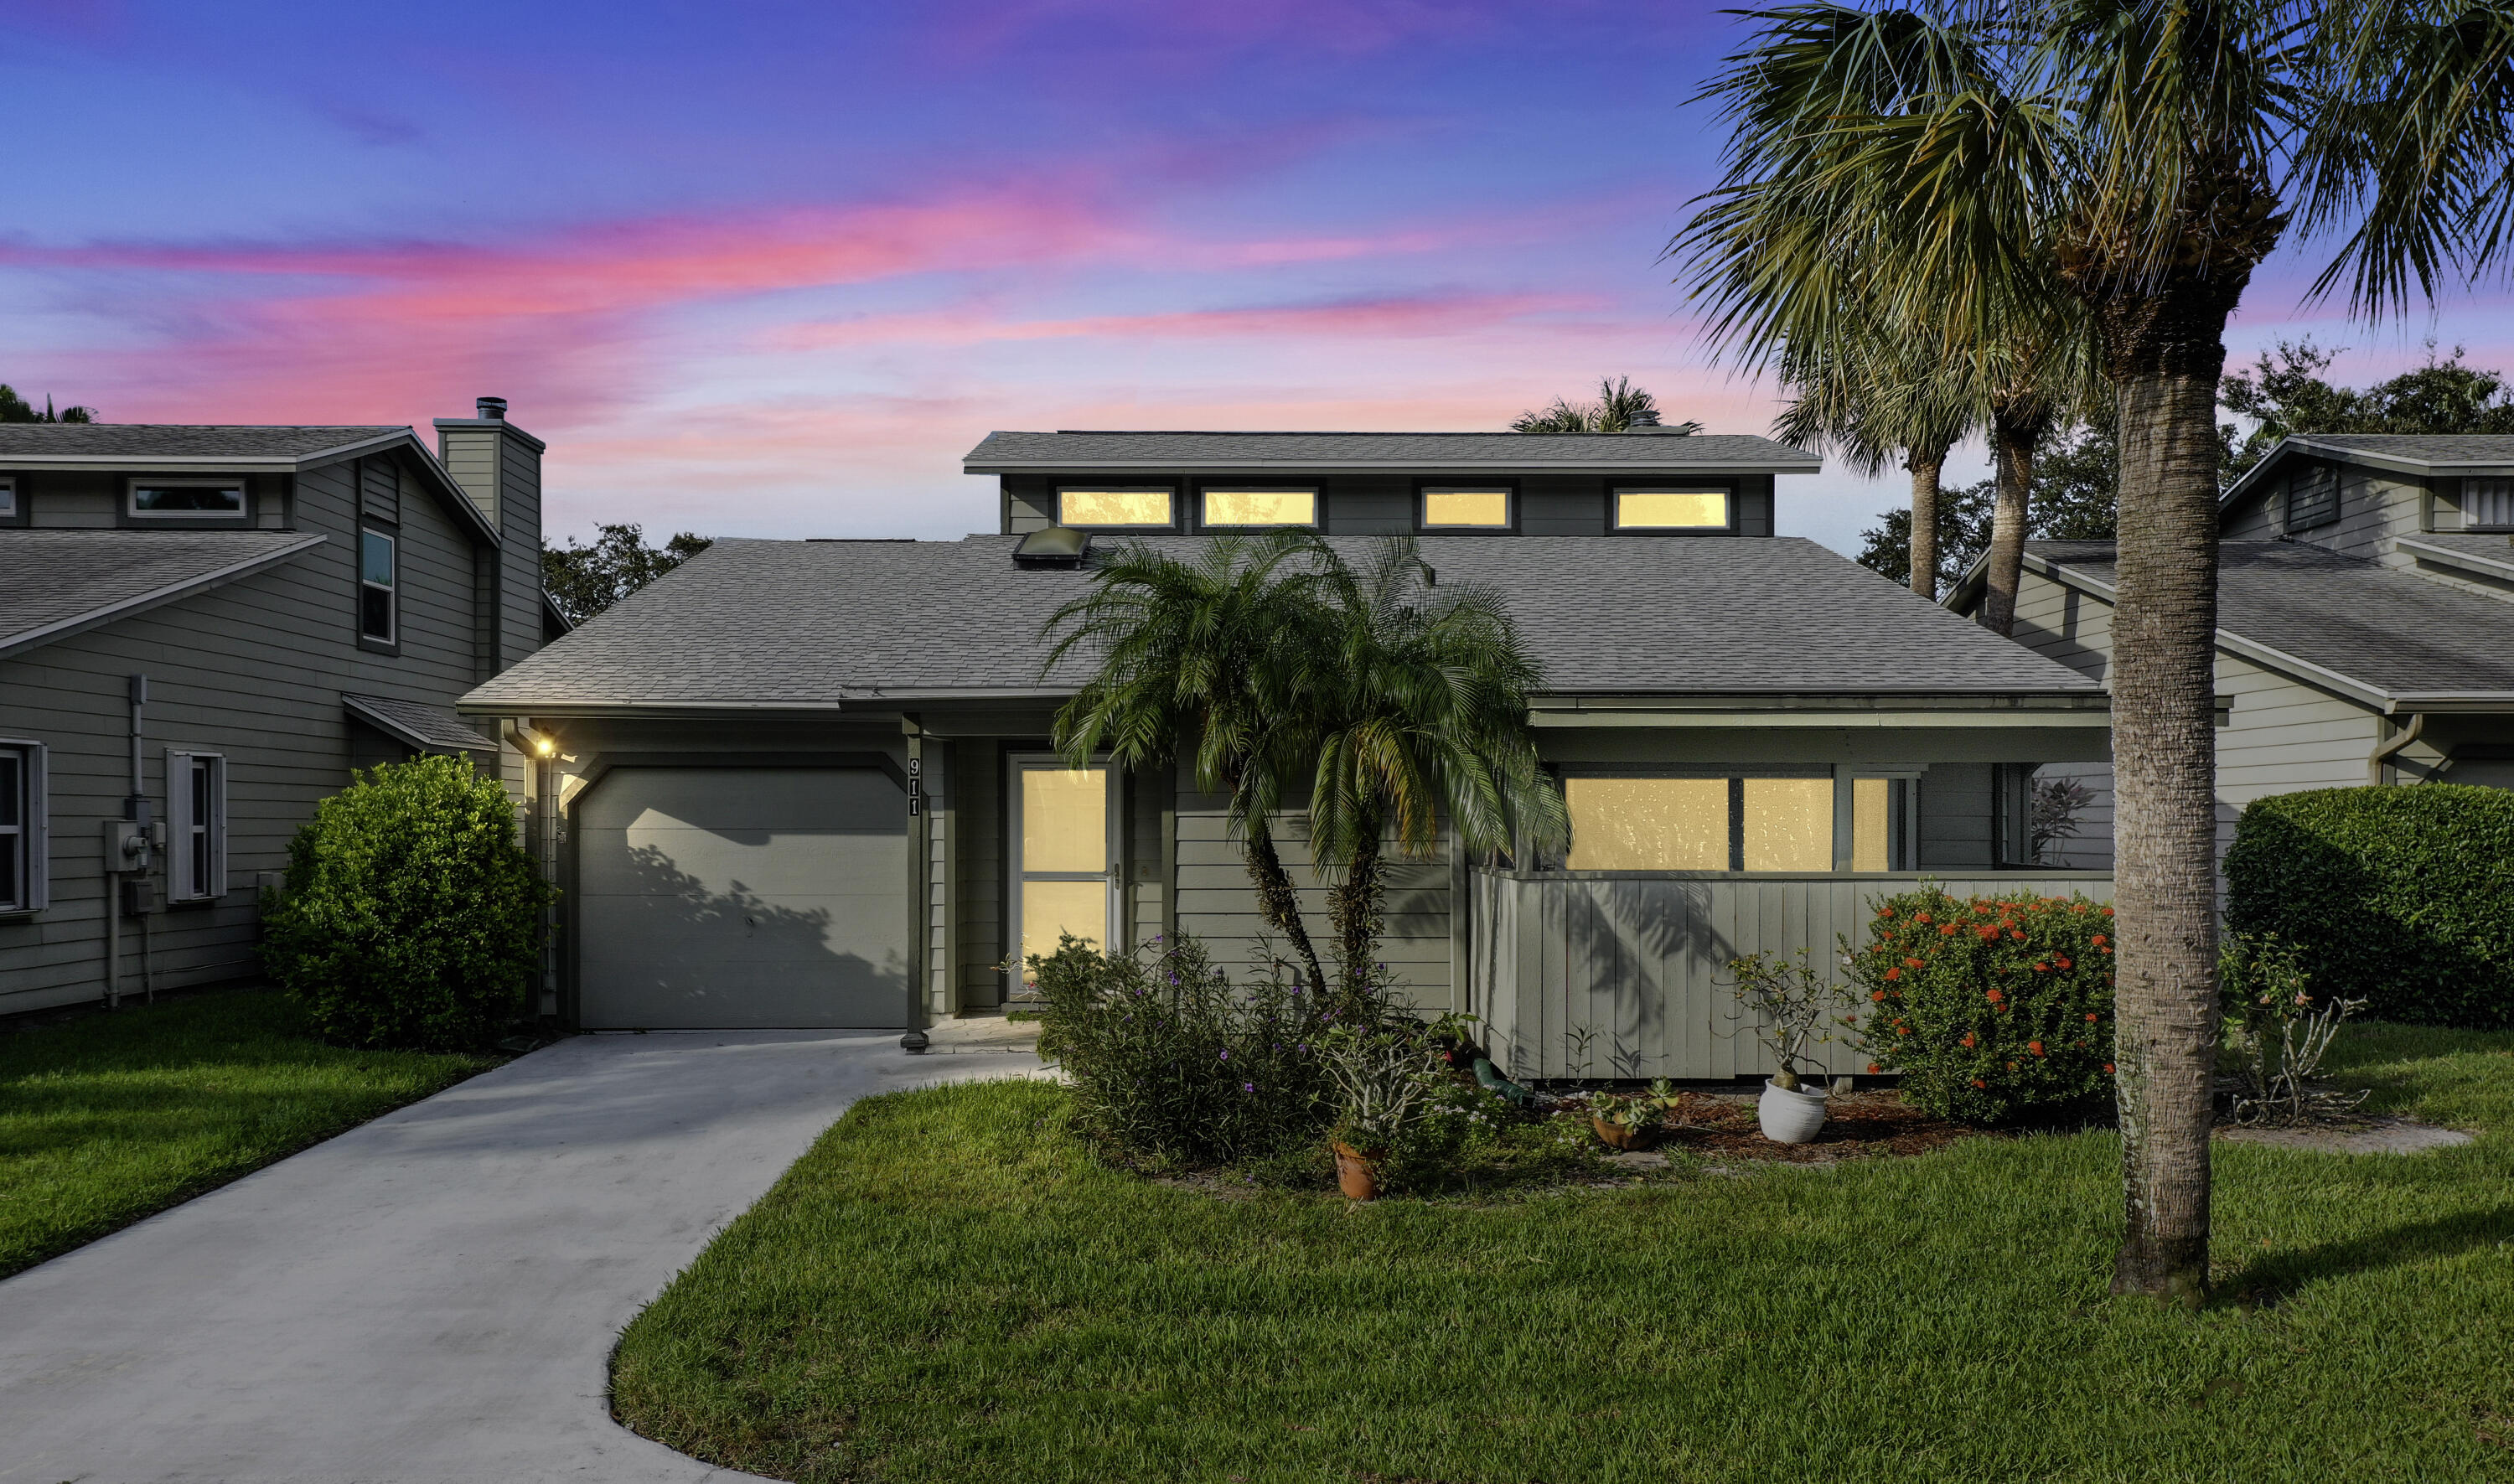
[1277,901]
[2014,433]
[1926,465]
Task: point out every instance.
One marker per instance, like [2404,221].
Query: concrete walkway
[434,1296]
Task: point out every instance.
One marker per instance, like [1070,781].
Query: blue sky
[767,269]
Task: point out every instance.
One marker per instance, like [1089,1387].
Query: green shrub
[412,918]
[2403,897]
[1170,1061]
[1989,1007]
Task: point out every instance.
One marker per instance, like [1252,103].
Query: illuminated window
[1648,823]
[1872,825]
[1671,510]
[1140,504]
[1459,507]
[188,500]
[1788,825]
[1286,506]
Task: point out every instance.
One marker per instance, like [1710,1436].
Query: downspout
[2387,752]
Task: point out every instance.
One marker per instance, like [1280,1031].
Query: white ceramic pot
[1790,1117]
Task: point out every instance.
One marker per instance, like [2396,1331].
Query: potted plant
[1627,1120]
[1791,1006]
[1380,1076]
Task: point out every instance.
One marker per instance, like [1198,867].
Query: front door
[1064,839]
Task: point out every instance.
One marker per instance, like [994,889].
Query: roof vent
[1642,419]
[1056,548]
[493,408]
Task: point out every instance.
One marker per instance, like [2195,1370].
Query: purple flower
[1248,1087]
[1225,1055]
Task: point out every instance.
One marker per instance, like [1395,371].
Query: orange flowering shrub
[1991,1006]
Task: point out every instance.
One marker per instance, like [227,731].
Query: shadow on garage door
[742,897]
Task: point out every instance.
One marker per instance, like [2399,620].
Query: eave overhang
[110,613]
[1878,710]
[1673,466]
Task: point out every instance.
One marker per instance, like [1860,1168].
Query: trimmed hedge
[2403,896]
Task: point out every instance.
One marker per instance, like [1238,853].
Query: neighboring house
[2365,621]
[202,632]
[808,783]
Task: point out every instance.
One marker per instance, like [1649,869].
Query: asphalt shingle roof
[54,581]
[417,722]
[175,440]
[2385,628]
[2425,447]
[1190,450]
[767,622]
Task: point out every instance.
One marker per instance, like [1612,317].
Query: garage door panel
[732,898]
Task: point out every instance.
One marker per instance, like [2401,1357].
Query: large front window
[1811,823]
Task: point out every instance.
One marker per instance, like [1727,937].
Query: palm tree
[1421,692]
[1201,657]
[1873,405]
[2144,157]
[1620,407]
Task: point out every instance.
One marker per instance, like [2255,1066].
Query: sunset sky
[759,269]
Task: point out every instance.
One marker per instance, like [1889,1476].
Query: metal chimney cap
[493,408]
[1643,417]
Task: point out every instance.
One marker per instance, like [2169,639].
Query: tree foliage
[2074,480]
[585,579]
[2285,393]
[1619,407]
[17,409]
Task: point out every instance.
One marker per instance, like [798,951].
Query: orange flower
[2061,962]
[2042,968]
[1947,929]
[2108,1068]
[2035,1047]
[1986,934]
[2090,1018]
[2107,950]
[1874,1068]
[2020,937]
[2011,1066]
[1893,973]
[1910,963]
[2107,911]
[1993,995]
[2099,940]
[1920,917]
[1967,1042]
[1879,996]
[1977,1082]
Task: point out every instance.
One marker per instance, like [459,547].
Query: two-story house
[809,784]
[2365,621]
[203,629]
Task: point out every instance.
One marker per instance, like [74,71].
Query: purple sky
[762,269]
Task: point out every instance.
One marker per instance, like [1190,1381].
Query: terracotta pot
[1356,1171]
[1618,1135]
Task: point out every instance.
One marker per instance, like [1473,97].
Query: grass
[109,1117]
[949,1287]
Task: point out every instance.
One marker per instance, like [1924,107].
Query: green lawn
[948,1288]
[109,1117]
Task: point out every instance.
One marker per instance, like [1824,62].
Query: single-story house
[807,782]
[2365,622]
[203,629]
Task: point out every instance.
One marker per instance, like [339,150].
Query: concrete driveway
[433,1296]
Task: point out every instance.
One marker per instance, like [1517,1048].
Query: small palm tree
[1620,407]
[1873,403]
[1198,659]
[1421,697]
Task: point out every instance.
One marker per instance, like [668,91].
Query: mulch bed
[1721,1127]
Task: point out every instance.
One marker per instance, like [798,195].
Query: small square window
[8,498]
[1262,505]
[1466,508]
[1671,509]
[376,616]
[1133,504]
[188,500]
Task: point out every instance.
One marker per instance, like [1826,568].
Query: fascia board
[1080,467]
[2448,557]
[1830,720]
[2242,647]
[114,612]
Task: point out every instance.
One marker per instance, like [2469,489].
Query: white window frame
[391,587]
[1204,499]
[2494,497]
[184,823]
[29,840]
[131,498]
[1111,943]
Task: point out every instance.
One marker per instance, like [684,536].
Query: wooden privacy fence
[1625,974]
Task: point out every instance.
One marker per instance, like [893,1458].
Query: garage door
[723,897]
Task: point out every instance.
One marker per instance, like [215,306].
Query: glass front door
[1064,843]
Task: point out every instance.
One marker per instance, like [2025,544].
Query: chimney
[494,410]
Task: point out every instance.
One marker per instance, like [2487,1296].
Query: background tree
[2072,500]
[2285,393]
[583,581]
[1420,698]
[1868,400]
[1619,403]
[1201,660]
[17,409]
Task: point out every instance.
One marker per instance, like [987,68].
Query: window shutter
[217,885]
[179,827]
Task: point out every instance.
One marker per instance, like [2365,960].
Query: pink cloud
[1385,317]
